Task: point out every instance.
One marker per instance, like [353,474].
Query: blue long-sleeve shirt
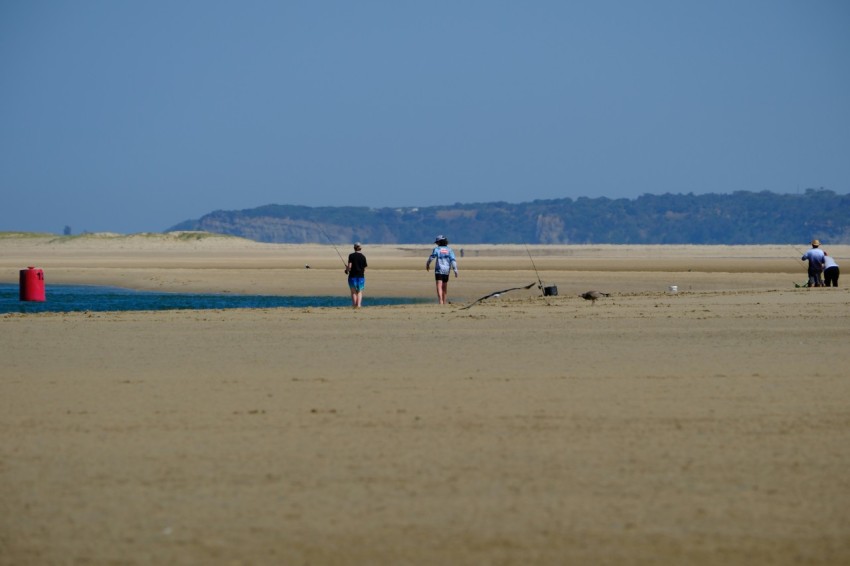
[445,260]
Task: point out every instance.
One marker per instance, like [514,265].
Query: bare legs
[356,298]
[442,291]
[442,285]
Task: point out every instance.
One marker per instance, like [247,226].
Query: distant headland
[741,217]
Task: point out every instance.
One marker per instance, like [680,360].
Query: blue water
[71,298]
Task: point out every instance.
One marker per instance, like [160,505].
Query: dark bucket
[550,291]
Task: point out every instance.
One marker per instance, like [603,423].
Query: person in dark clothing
[356,270]
[830,272]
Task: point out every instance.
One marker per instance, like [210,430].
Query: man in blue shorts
[356,271]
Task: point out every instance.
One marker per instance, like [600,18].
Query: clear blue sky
[131,116]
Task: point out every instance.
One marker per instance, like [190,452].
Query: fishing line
[332,243]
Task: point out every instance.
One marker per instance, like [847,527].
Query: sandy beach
[706,426]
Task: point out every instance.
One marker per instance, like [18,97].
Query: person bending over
[830,272]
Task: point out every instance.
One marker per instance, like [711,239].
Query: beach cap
[815,243]
[441,238]
[357,245]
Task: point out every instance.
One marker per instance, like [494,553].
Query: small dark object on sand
[593,295]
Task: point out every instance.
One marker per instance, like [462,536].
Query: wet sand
[707,426]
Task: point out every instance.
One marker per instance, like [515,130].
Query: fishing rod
[552,290]
[798,285]
[539,281]
[332,243]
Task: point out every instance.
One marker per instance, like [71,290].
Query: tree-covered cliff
[739,218]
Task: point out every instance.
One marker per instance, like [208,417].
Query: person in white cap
[445,263]
[815,257]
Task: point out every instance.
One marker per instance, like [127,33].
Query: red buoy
[32,284]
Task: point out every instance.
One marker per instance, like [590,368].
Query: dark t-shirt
[358,264]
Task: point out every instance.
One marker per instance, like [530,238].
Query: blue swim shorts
[356,283]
